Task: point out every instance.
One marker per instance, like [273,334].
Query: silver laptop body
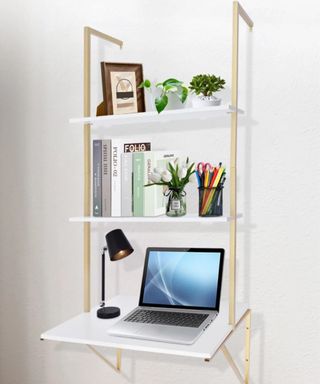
[179,297]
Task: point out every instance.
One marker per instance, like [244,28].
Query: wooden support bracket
[116,367]
[227,355]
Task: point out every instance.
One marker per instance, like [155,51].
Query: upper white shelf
[157,219]
[86,328]
[153,117]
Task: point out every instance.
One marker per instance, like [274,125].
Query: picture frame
[121,95]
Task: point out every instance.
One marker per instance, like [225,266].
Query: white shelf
[157,219]
[153,117]
[88,329]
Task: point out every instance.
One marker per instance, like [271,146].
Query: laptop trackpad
[167,333]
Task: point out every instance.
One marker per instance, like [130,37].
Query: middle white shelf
[155,117]
[133,124]
[191,218]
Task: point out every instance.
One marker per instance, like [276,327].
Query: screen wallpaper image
[182,278]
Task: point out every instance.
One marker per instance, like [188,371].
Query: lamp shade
[118,245]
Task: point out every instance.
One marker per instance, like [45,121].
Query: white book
[119,146]
[154,200]
[126,184]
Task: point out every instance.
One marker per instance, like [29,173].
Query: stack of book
[121,169]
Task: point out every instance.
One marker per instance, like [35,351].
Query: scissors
[203,171]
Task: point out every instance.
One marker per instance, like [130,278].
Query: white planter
[205,101]
[173,101]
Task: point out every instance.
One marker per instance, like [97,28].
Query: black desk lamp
[119,248]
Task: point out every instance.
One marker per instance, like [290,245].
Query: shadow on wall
[19,286]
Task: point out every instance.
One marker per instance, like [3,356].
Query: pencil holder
[210,201]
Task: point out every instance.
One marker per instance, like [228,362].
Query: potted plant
[174,179]
[171,91]
[204,87]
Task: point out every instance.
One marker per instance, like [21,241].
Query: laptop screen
[182,278]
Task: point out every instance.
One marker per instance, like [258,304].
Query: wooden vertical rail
[233,165]
[88,32]
[237,11]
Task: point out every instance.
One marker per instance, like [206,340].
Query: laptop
[179,297]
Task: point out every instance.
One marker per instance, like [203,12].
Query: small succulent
[206,85]
[168,86]
[176,176]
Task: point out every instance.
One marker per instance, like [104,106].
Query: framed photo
[120,83]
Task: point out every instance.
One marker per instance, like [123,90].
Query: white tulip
[182,172]
[166,176]
[174,163]
[155,177]
[158,170]
[184,164]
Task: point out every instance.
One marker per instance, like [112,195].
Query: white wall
[41,173]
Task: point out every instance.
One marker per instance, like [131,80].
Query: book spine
[116,178]
[96,179]
[138,179]
[149,192]
[106,178]
[126,184]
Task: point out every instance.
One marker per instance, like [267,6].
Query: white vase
[205,101]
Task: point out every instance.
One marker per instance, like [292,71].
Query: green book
[138,183]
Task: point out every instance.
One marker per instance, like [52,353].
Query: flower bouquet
[174,179]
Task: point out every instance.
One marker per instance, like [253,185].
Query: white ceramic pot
[205,101]
[173,101]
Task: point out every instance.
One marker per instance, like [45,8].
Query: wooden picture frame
[121,94]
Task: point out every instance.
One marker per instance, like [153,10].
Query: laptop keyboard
[180,319]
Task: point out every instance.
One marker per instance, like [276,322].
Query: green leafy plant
[206,85]
[168,86]
[175,177]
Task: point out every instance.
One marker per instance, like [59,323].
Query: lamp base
[108,312]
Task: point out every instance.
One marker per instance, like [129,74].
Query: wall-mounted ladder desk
[86,328]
